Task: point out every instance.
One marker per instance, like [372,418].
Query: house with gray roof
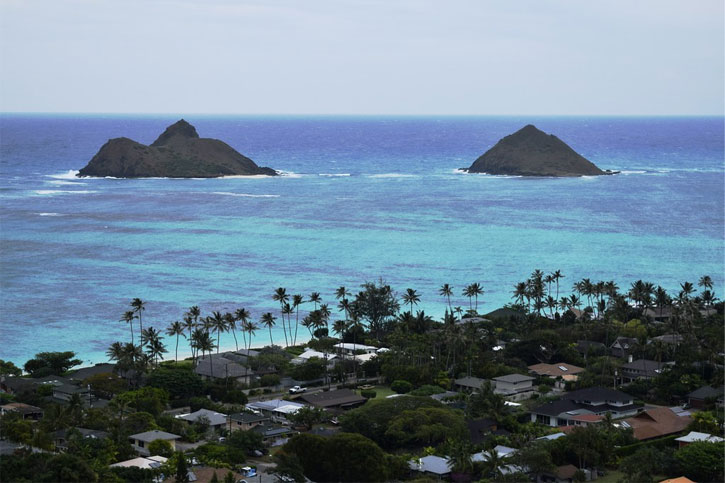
[593,400]
[274,435]
[219,367]
[246,421]
[340,399]
[514,387]
[431,465]
[141,441]
[700,397]
[642,369]
[468,384]
[217,421]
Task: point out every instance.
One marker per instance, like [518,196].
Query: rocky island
[178,153]
[531,152]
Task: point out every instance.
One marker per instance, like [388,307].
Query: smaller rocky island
[178,153]
[531,152]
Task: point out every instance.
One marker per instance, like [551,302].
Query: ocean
[362,198]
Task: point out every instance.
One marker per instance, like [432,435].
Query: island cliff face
[531,152]
[178,153]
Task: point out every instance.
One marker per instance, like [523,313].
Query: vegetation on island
[413,405]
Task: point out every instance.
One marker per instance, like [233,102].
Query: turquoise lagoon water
[362,198]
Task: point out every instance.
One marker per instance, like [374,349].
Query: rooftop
[693,436]
[341,397]
[555,370]
[153,435]
[596,394]
[513,378]
[215,418]
[430,464]
[147,463]
[248,418]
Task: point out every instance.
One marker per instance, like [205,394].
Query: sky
[410,57]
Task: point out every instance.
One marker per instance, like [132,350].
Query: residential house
[561,371]
[277,409]
[514,387]
[623,347]
[700,397]
[86,372]
[26,410]
[589,348]
[65,392]
[482,429]
[219,367]
[274,435]
[339,399]
[140,441]
[593,400]
[431,465]
[350,349]
[669,339]
[309,354]
[60,437]
[246,421]
[694,436]
[468,384]
[642,369]
[145,463]
[561,474]
[217,421]
[656,422]
[16,385]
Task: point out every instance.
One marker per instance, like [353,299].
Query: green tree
[176,329]
[182,472]
[51,363]
[308,416]
[138,306]
[161,447]
[702,461]
[7,368]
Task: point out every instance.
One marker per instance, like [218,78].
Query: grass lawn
[381,391]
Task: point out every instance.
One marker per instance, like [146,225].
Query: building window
[543,419]
[140,444]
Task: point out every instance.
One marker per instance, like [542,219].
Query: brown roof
[566,472]
[588,418]
[341,397]
[22,408]
[657,422]
[681,479]
[555,370]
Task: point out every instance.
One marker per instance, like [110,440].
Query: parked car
[297,389]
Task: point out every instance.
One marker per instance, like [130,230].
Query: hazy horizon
[363,57]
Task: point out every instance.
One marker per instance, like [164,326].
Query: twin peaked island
[180,153]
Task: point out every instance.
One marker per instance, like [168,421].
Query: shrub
[401,387]
[269,380]
[161,447]
[427,390]
[368,394]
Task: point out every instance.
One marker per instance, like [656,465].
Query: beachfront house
[348,349]
[218,367]
[593,400]
[514,387]
[310,353]
[140,442]
[145,463]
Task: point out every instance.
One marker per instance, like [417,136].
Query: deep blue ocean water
[364,198]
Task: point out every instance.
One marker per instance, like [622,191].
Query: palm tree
[705,282]
[411,297]
[494,463]
[339,327]
[232,327]
[341,294]
[287,310]
[297,300]
[315,298]
[268,321]
[468,292]
[205,344]
[250,328]
[520,293]
[156,349]
[138,307]
[219,324]
[280,295]
[687,290]
[176,329]
[241,315]
[460,460]
[128,318]
[476,290]
[446,291]
[557,275]
[189,325]
[115,351]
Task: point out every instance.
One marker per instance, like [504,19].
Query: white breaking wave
[64,192]
[49,214]
[240,176]
[288,174]
[335,175]
[242,195]
[393,175]
[70,174]
[60,182]
[633,171]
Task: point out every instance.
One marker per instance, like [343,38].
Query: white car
[297,389]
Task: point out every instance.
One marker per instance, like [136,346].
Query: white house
[141,441]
